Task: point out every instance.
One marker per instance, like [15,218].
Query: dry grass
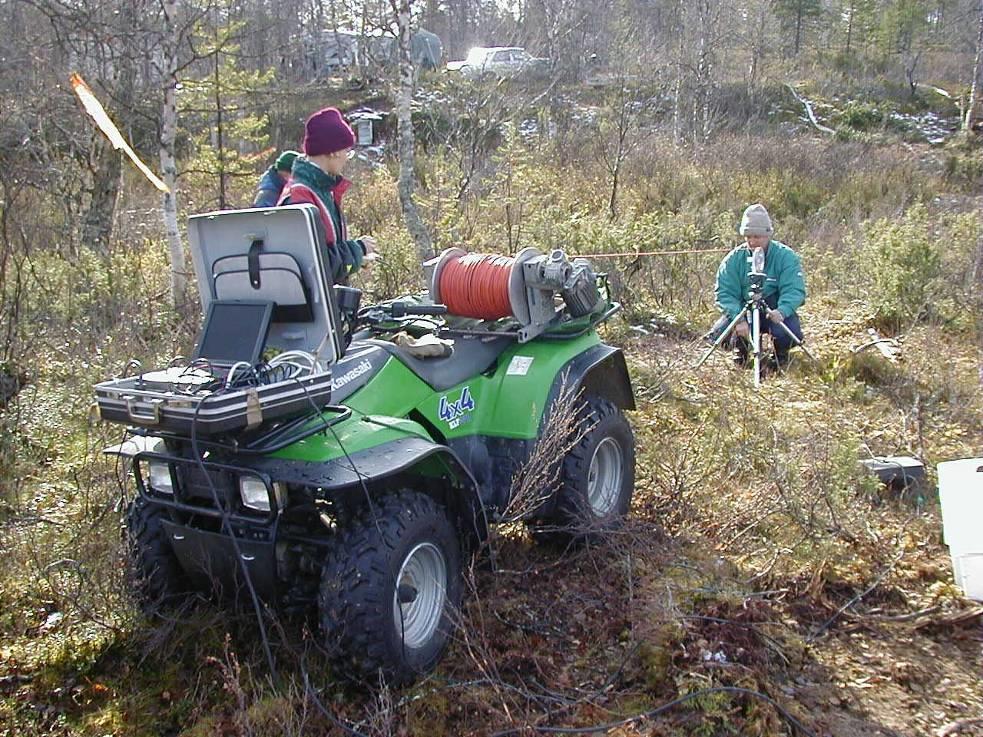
[752,527]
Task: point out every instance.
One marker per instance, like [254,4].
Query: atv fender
[375,466]
[600,370]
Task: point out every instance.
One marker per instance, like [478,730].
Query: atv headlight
[159,477]
[252,491]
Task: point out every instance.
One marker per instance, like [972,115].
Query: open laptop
[234,331]
[291,269]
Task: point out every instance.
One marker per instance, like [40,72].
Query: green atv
[314,453]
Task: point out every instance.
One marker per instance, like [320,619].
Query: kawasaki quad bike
[349,460]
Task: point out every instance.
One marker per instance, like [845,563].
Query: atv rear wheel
[390,586]
[597,477]
[157,578]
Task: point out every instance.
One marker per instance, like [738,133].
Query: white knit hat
[756,221]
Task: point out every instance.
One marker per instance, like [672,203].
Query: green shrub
[964,168]
[904,261]
[860,116]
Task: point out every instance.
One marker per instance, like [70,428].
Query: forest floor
[872,641]
[763,583]
[850,626]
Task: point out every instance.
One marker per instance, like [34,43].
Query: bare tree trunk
[168,162]
[703,97]
[910,66]
[404,96]
[624,123]
[849,24]
[677,86]
[978,274]
[219,126]
[974,112]
[758,47]
[798,26]
[105,161]
[106,167]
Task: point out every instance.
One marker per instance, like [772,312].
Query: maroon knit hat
[326,132]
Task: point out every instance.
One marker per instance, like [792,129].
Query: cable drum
[533,288]
[477,285]
[482,286]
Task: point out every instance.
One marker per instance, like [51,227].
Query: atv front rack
[260,442]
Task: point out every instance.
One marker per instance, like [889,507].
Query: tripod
[754,306]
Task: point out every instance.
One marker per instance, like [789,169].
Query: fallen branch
[890,348]
[808,106]
[936,90]
[877,581]
[879,342]
[659,710]
[905,617]
[951,620]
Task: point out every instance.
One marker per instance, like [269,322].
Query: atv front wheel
[390,586]
[598,474]
[157,578]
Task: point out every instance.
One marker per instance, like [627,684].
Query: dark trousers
[779,337]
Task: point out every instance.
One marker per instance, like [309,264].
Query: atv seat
[471,356]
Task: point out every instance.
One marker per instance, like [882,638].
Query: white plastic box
[961,497]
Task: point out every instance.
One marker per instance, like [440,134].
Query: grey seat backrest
[270,254]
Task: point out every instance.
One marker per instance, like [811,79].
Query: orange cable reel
[476,284]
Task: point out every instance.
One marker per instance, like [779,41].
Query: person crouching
[784,288]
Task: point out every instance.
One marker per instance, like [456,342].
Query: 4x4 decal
[457,412]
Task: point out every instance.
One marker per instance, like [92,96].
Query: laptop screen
[235,330]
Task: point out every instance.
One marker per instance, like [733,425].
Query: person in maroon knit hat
[316,179]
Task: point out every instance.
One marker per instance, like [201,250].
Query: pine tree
[220,109]
[797,16]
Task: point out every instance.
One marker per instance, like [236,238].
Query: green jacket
[312,185]
[784,279]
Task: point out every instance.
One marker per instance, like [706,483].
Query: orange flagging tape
[102,120]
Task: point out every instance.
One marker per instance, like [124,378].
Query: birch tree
[96,40]
[974,112]
[404,100]
[168,160]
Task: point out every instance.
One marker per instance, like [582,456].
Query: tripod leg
[756,343]
[721,338]
[796,340]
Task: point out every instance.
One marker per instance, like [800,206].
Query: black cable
[321,707]
[328,426]
[659,710]
[122,479]
[227,529]
[368,498]
[358,474]
[262,374]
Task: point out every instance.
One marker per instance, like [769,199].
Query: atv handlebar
[392,315]
[402,309]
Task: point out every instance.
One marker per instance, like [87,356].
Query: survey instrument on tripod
[751,311]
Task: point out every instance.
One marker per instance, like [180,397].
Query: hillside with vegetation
[764,582]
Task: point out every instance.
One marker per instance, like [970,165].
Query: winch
[524,287]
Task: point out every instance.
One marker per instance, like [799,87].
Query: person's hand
[371,249]
[741,330]
[775,316]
